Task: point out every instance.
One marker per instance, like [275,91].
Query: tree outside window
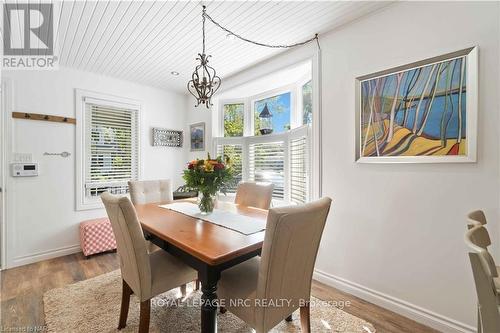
[307,103]
[233,119]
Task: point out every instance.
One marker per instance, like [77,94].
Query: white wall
[42,221]
[395,232]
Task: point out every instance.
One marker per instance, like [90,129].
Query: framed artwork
[167,138]
[197,136]
[423,112]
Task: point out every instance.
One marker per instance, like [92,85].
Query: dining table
[206,247]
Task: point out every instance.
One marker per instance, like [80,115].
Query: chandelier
[204,80]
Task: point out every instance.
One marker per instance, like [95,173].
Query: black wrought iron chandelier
[204,80]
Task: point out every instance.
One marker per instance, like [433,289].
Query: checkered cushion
[96,236]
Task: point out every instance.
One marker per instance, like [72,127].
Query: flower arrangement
[208,177]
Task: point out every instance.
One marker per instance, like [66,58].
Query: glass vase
[206,203]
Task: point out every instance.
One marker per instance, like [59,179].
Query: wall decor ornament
[423,112]
[167,138]
[197,136]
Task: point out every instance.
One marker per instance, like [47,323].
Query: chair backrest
[288,256]
[486,292]
[476,217]
[149,191]
[253,194]
[476,238]
[131,245]
[479,236]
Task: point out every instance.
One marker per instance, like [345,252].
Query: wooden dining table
[205,246]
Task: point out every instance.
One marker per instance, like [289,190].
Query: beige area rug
[94,305]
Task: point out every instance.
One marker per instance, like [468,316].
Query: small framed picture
[197,136]
[167,138]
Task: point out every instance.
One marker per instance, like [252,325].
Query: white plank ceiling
[144,41]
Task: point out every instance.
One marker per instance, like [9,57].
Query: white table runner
[237,222]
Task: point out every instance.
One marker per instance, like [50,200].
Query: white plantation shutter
[298,170]
[111,148]
[267,164]
[235,154]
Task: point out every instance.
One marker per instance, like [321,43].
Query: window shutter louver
[267,164]
[298,170]
[235,154]
[111,148]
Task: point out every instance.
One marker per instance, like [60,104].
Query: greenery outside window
[307,103]
[234,119]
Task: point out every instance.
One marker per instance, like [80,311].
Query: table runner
[237,222]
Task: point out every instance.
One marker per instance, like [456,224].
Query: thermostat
[24,169]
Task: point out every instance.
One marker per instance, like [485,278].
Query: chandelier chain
[279,46]
[203,16]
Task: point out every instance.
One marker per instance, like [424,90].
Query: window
[233,119]
[307,103]
[267,164]
[279,106]
[281,159]
[278,154]
[235,154]
[108,154]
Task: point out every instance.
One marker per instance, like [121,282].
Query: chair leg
[289,318]
[144,316]
[305,319]
[183,290]
[126,292]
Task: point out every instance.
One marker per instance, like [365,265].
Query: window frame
[82,97]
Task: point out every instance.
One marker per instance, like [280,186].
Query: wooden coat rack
[43,117]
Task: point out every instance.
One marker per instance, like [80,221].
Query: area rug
[94,305]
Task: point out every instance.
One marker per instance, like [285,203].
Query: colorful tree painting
[416,112]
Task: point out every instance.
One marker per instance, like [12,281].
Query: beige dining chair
[486,281]
[252,194]
[150,191]
[283,272]
[480,237]
[144,274]
[476,217]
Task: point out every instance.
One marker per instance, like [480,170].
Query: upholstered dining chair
[476,217]
[252,194]
[149,191]
[486,281]
[480,237]
[144,274]
[284,271]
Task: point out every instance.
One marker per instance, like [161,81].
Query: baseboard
[44,255]
[412,311]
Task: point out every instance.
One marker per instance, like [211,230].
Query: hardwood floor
[22,289]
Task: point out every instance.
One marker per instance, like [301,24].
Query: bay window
[279,155]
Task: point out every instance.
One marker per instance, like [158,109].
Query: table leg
[209,300]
